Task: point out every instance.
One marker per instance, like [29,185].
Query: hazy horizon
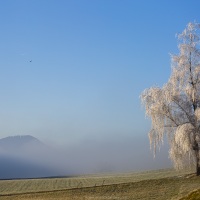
[38,159]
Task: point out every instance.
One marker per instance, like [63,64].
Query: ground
[164,184]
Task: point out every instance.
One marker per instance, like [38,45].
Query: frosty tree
[174,109]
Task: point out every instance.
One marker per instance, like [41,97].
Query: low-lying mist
[116,154]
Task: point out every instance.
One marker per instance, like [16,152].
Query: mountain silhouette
[17,142]
[26,157]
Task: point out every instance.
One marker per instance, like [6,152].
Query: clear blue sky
[91,59]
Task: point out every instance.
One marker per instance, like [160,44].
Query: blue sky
[90,62]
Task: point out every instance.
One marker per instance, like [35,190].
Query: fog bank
[117,154]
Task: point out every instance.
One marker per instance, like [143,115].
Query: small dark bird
[30,61]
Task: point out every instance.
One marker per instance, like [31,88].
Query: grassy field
[160,184]
[195,195]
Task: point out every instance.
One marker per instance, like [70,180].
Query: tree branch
[188,116]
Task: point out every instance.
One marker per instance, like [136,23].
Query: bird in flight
[30,61]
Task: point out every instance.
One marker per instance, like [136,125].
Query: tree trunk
[197,163]
[198,170]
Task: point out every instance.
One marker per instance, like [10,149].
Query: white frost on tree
[174,109]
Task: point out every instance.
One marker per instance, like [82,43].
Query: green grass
[195,195]
[160,184]
[36,185]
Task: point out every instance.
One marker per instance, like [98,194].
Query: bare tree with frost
[174,109]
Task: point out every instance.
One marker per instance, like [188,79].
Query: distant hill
[17,142]
[26,157]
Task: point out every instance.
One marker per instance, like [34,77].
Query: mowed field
[160,184]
